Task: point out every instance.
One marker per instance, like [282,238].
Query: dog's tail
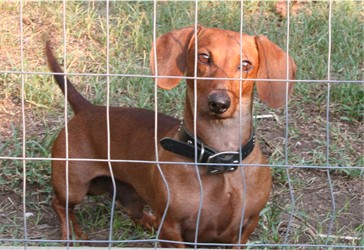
[77,101]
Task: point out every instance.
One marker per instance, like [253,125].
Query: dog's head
[223,58]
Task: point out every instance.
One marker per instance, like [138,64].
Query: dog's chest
[222,206]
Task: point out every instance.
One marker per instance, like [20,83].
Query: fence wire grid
[314,143]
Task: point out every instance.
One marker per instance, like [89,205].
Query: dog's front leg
[171,231]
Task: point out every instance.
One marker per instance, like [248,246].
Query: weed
[130,36]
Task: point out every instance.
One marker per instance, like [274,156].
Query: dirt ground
[312,211]
[311,190]
[309,219]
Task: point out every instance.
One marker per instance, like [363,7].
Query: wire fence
[294,216]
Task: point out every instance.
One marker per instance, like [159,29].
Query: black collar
[185,146]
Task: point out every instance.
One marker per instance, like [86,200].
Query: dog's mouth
[222,116]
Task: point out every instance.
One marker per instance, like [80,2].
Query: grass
[130,36]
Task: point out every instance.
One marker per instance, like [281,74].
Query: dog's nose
[219,102]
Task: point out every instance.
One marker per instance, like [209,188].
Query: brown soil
[313,198]
[306,147]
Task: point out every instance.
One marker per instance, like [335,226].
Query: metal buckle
[222,157]
[202,152]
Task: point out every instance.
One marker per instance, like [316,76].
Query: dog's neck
[222,134]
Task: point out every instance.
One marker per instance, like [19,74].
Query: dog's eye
[204,58]
[245,66]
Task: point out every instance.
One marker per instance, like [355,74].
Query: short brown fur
[132,138]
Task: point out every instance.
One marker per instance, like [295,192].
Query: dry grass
[130,37]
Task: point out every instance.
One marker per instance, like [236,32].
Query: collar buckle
[226,158]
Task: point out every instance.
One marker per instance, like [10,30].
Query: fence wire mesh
[314,143]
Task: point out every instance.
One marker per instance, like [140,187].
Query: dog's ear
[272,65]
[172,49]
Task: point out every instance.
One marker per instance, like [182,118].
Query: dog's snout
[219,102]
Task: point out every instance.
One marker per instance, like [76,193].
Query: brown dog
[229,191]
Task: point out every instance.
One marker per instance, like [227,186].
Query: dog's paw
[147,221]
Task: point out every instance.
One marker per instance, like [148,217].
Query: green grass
[130,35]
